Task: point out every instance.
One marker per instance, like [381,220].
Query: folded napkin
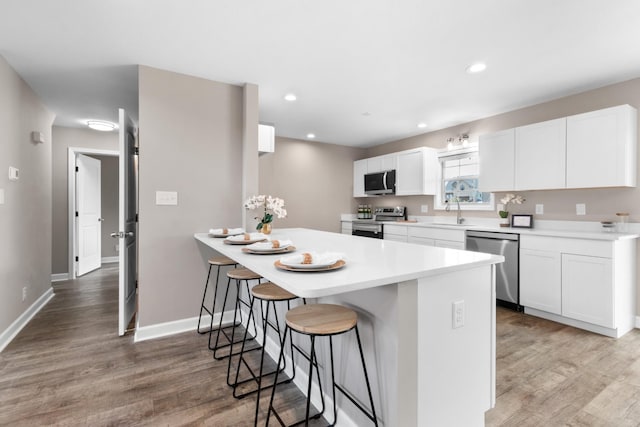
[273,244]
[228,231]
[247,236]
[312,258]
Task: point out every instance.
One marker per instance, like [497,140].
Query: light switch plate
[581,209]
[13,173]
[1,196]
[539,209]
[166,198]
[424,208]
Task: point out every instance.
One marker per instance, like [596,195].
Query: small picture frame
[521,221]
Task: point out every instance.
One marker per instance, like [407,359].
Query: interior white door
[127,222]
[88,213]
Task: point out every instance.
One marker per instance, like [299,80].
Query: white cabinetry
[359,171]
[346,227]
[395,232]
[497,161]
[601,148]
[417,172]
[590,284]
[540,155]
[439,237]
[266,139]
[540,280]
[381,163]
[587,289]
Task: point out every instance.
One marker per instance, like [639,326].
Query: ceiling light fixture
[290,97]
[311,135]
[461,142]
[422,125]
[478,67]
[101,125]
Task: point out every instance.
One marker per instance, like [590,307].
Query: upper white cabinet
[266,139]
[359,171]
[540,155]
[417,172]
[497,161]
[596,149]
[601,148]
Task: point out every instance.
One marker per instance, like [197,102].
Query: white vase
[504,222]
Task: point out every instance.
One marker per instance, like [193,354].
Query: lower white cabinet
[590,284]
[439,237]
[347,227]
[395,232]
[540,274]
[587,289]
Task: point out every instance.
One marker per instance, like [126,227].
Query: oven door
[367,230]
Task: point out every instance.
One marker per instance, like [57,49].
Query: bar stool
[237,274]
[218,262]
[317,320]
[270,293]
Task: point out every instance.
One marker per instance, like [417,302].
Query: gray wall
[602,204]
[191,139]
[109,203]
[25,217]
[314,179]
[63,138]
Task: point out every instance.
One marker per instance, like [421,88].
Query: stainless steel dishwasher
[507,275]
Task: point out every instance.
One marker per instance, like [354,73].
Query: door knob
[100,219]
[115,235]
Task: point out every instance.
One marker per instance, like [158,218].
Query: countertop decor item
[268,203]
[504,213]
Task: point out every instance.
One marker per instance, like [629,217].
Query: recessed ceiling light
[311,135]
[290,97]
[422,125]
[101,125]
[476,68]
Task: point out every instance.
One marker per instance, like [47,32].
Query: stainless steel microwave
[380,183]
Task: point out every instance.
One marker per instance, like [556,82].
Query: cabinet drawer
[597,248]
[437,233]
[398,230]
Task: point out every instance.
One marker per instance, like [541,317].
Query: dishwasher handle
[493,235]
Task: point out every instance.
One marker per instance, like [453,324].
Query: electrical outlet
[424,208]
[581,209]
[457,314]
[24,293]
[539,209]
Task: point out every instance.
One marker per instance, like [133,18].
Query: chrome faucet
[459,219]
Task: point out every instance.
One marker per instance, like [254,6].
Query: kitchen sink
[450,224]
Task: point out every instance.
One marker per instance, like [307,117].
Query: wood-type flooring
[69,367]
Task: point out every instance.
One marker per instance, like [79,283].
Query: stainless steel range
[375,227]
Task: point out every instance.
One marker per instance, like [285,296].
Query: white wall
[25,216]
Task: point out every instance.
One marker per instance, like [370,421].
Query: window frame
[438,198]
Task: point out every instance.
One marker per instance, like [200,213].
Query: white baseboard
[59,277]
[10,333]
[160,330]
[110,259]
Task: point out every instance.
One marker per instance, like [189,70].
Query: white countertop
[369,262]
[572,231]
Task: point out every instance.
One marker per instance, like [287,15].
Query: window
[459,172]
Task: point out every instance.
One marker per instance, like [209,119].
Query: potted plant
[274,204]
[504,213]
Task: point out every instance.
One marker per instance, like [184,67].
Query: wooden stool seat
[243,274]
[221,261]
[321,319]
[271,292]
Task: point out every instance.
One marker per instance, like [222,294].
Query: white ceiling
[401,61]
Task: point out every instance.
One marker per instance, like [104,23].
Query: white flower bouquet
[268,203]
[509,198]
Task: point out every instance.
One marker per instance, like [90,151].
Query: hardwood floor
[69,367]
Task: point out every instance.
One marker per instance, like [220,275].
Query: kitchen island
[429,365]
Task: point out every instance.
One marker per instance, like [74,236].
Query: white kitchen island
[423,371]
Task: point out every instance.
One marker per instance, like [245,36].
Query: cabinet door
[540,276]
[389,162]
[374,164]
[587,289]
[409,176]
[421,241]
[359,170]
[497,161]
[449,244]
[266,139]
[540,155]
[601,148]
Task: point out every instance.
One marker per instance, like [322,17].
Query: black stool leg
[366,378]
[202,306]
[275,380]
